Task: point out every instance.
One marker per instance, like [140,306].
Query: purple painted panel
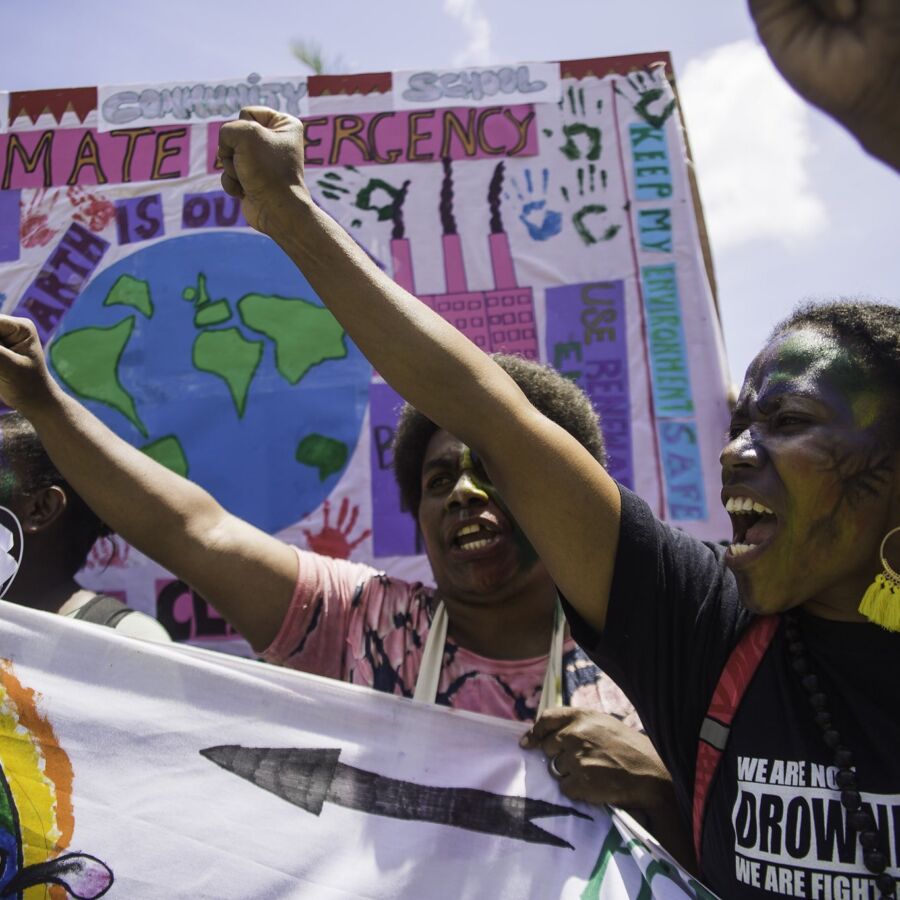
[214,209]
[394,529]
[61,279]
[9,226]
[139,219]
[586,341]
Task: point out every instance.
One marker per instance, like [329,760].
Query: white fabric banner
[138,770]
[559,226]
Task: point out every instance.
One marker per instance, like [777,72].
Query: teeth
[738,549]
[745,505]
[468,529]
[475,545]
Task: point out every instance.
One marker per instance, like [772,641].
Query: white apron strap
[552,692]
[433,657]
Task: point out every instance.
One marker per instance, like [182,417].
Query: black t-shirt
[774,824]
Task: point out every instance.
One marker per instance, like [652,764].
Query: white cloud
[478,29]
[750,139]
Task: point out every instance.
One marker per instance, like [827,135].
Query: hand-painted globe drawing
[213,354]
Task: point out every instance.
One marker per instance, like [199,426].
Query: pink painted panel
[88,157]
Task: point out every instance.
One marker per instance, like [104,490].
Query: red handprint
[34,230]
[334,541]
[93,210]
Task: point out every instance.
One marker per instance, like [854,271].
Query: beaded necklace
[859,819]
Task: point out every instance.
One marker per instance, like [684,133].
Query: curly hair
[23,455]
[872,331]
[552,394]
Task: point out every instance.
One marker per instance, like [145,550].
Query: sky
[794,208]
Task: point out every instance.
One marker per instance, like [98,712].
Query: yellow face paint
[469,468]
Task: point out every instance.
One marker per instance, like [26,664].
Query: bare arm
[844,57]
[563,499]
[246,574]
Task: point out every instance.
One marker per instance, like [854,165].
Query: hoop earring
[881,602]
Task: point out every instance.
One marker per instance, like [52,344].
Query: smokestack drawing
[401,252]
[498,241]
[454,267]
[509,308]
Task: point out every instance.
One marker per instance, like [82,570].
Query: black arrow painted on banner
[309,778]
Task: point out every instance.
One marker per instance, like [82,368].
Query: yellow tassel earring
[881,602]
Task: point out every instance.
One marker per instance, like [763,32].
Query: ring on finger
[553,766]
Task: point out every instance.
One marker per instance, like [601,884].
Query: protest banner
[544,209]
[143,770]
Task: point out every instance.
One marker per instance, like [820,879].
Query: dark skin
[44,580]
[811,440]
[844,57]
[481,584]
[590,768]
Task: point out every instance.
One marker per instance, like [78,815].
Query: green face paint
[808,444]
[8,481]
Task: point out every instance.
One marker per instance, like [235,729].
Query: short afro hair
[22,452]
[872,331]
[558,398]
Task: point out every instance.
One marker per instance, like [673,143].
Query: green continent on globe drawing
[130,291]
[322,453]
[304,334]
[231,356]
[87,361]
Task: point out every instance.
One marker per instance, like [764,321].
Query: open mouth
[474,536]
[753,524]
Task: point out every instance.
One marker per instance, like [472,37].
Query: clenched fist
[24,379]
[262,160]
[844,57]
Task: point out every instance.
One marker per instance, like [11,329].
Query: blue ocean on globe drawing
[248,461]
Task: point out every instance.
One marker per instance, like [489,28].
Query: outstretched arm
[844,57]
[246,574]
[562,498]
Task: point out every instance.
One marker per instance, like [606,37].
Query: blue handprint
[541,223]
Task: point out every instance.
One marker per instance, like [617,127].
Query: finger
[549,722]
[575,789]
[231,185]
[16,331]
[578,785]
[231,135]
[261,114]
[228,168]
[789,15]
[227,165]
[839,11]
[268,118]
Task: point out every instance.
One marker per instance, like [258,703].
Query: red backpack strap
[736,676]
